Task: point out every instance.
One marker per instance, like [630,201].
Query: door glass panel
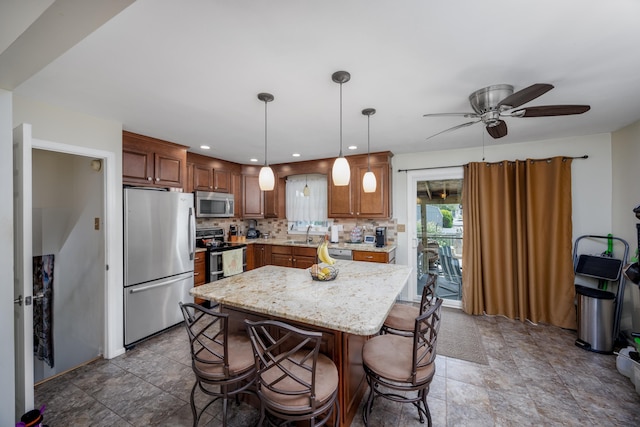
[439,231]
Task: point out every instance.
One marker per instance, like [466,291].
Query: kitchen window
[307,208]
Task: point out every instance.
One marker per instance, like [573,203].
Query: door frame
[112,284]
[413,176]
[113,323]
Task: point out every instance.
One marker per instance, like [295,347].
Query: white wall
[67,196]
[591,178]
[7,368]
[88,133]
[626,196]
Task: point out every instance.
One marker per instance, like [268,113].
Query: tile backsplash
[277,228]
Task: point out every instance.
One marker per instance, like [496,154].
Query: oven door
[215,270]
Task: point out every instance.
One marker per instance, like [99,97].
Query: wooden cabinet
[252,197]
[382,257]
[261,254]
[275,201]
[351,201]
[293,256]
[236,190]
[199,272]
[152,162]
[211,174]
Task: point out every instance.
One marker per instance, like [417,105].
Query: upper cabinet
[210,174]
[351,201]
[252,197]
[261,204]
[152,162]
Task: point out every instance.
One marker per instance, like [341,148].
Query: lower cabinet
[260,255]
[382,257]
[199,272]
[293,256]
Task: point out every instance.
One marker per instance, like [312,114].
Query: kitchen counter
[299,242]
[290,293]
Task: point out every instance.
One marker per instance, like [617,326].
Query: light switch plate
[96,223]
[400,228]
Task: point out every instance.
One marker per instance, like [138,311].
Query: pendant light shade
[341,173]
[266,179]
[369,180]
[306,191]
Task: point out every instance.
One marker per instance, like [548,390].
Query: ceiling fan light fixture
[266,179]
[369,183]
[341,172]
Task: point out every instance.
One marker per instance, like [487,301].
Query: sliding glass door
[435,225]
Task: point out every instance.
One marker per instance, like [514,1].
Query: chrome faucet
[307,238]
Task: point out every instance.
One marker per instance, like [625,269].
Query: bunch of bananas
[323,253]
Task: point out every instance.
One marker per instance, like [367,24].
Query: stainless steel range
[213,239]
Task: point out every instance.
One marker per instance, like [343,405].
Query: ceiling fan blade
[525,95]
[551,110]
[497,131]
[454,128]
[451,115]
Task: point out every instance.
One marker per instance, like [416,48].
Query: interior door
[23,281]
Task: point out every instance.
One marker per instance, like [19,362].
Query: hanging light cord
[265,133]
[340,120]
[368,143]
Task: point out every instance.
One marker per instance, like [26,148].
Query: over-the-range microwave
[214,205]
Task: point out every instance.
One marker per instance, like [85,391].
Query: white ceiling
[189,71]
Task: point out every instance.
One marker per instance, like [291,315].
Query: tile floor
[536,377]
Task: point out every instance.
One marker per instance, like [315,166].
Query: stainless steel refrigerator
[159,248]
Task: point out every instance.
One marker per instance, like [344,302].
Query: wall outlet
[96,223]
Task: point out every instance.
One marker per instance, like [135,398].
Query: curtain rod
[459,166]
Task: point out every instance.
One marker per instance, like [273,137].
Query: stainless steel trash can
[596,309]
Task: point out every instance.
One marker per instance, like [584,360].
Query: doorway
[436,229]
[68,231]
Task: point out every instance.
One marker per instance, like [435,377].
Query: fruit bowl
[323,274]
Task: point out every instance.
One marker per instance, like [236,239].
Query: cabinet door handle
[149,178]
[369,257]
[157,179]
[196,273]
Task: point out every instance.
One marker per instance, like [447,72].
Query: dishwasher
[339,253]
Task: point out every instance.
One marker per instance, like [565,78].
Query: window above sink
[306,201]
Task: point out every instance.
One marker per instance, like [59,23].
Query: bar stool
[410,367]
[222,362]
[294,381]
[401,318]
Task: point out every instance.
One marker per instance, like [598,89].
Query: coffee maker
[381,236]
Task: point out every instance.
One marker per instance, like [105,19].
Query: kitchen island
[347,310]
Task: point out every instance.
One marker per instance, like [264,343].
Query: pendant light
[341,173]
[266,179]
[369,179]
[306,191]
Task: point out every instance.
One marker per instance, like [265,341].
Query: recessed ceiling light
[296,154]
[352,147]
[205,147]
[253,160]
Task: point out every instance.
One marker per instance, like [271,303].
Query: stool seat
[402,317]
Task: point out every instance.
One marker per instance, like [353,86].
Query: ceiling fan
[492,103]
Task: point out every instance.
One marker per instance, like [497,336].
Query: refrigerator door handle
[157,285]
[192,234]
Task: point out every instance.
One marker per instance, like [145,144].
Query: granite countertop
[370,247]
[356,302]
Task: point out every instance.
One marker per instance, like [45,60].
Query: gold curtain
[517,259]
